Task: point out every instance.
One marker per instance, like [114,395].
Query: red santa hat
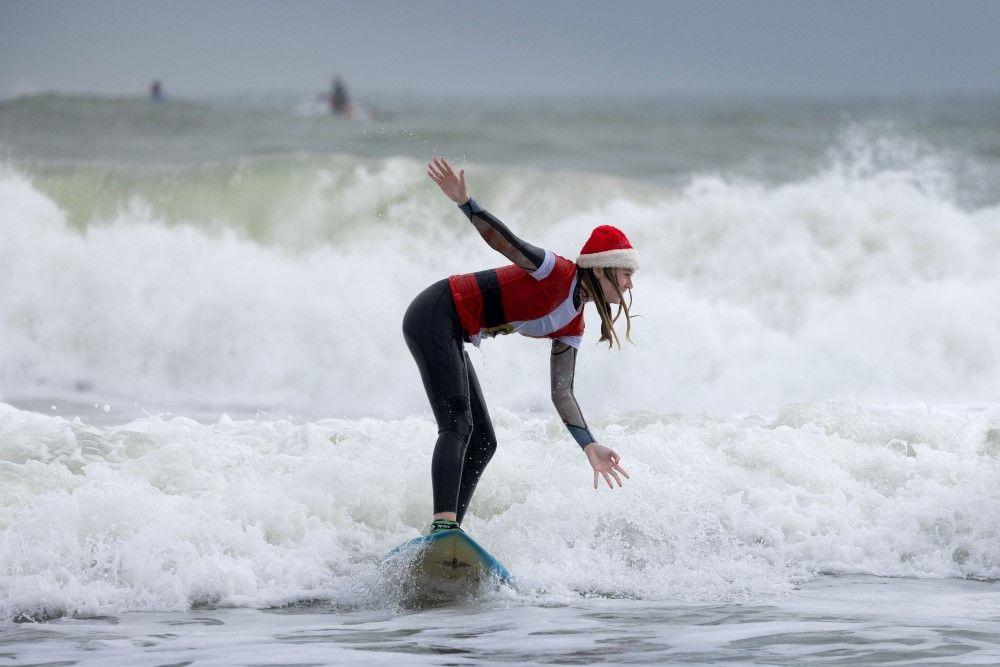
[608,247]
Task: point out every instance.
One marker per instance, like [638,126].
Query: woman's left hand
[453,185]
[604,461]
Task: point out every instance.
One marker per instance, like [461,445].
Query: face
[621,276]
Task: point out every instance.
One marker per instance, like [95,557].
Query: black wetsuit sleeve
[501,239]
[563,363]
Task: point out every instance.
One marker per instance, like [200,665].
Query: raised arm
[496,234]
[603,460]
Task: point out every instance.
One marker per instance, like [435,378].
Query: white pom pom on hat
[608,247]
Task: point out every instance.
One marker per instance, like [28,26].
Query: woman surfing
[542,296]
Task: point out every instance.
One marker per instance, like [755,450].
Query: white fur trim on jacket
[626,258]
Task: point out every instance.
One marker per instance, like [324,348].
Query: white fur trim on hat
[625,258]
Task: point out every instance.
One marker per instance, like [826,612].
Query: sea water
[211,432]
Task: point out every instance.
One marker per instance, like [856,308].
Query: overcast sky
[476,48]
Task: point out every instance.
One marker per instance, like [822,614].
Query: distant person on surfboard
[542,296]
[340,101]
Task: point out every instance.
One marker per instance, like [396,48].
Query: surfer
[340,102]
[542,296]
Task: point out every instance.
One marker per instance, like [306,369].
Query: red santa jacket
[510,299]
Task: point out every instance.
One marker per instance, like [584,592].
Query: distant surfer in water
[542,295]
[340,101]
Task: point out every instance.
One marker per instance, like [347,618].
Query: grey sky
[200,48]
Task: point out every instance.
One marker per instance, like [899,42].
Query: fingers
[435,170]
[607,478]
[620,469]
[595,479]
[441,172]
[445,167]
[615,456]
[617,478]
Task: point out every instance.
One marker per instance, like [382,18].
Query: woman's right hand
[451,184]
[605,462]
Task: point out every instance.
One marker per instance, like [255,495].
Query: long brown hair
[592,284]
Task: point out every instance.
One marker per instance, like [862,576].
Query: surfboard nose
[449,565]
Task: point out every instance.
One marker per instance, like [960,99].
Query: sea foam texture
[848,283]
[855,308]
[160,514]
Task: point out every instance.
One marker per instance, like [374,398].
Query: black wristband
[471,207]
[581,434]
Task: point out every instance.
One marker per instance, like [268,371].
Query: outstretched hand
[451,184]
[604,461]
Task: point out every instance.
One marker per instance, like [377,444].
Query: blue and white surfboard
[449,563]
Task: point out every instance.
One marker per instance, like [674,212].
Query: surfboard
[448,564]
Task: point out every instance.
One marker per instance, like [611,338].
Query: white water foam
[865,285]
[160,514]
[854,282]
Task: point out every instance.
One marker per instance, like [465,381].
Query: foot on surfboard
[443,565]
[443,524]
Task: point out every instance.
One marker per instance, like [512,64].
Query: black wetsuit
[339,100]
[432,330]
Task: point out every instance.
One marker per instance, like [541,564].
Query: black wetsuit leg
[434,335]
[482,445]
